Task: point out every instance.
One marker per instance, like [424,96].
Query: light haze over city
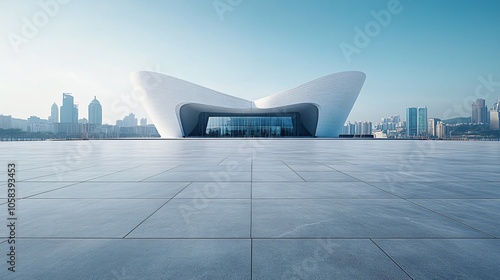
[429,53]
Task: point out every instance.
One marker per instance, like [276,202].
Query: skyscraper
[69,111]
[130,120]
[441,130]
[422,121]
[366,128]
[494,120]
[54,113]
[479,112]
[431,126]
[411,121]
[496,106]
[416,121]
[349,129]
[389,123]
[75,113]
[95,112]
[495,116]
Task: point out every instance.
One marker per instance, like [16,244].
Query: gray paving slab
[72,176]
[396,176]
[482,214]
[281,167]
[446,258]
[221,189]
[346,218]
[317,190]
[265,161]
[244,160]
[120,190]
[362,167]
[276,176]
[42,168]
[26,189]
[202,176]
[27,175]
[444,166]
[108,166]
[228,167]
[81,218]
[155,167]
[198,218]
[321,259]
[330,176]
[310,167]
[88,259]
[478,176]
[444,190]
[126,176]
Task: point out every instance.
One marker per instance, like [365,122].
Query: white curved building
[179,108]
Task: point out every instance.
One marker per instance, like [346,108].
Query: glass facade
[250,127]
[422,121]
[411,121]
[236,125]
[416,121]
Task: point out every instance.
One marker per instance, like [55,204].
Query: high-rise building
[441,130]
[431,126]
[496,106]
[494,120]
[357,128]
[416,121]
[422,121]
[5,122]
[363,128]
[19,124]
[349,129]
[54,113]
[75,113]
[479,112]
[69,111]
[389,123]
[495,116]
[95,112]
[119,123]
[411,121]
[130,120]
[366,128]
[144,122]
[35,124]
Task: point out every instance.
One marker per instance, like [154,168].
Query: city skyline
[55,108]
[250,49]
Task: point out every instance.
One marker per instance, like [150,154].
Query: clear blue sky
[431,53]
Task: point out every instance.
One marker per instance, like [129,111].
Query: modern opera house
[317,108]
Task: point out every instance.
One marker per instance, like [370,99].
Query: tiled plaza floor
[253,209]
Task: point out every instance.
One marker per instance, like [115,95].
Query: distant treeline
[470,129]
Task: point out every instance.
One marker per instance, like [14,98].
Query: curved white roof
[174,104]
